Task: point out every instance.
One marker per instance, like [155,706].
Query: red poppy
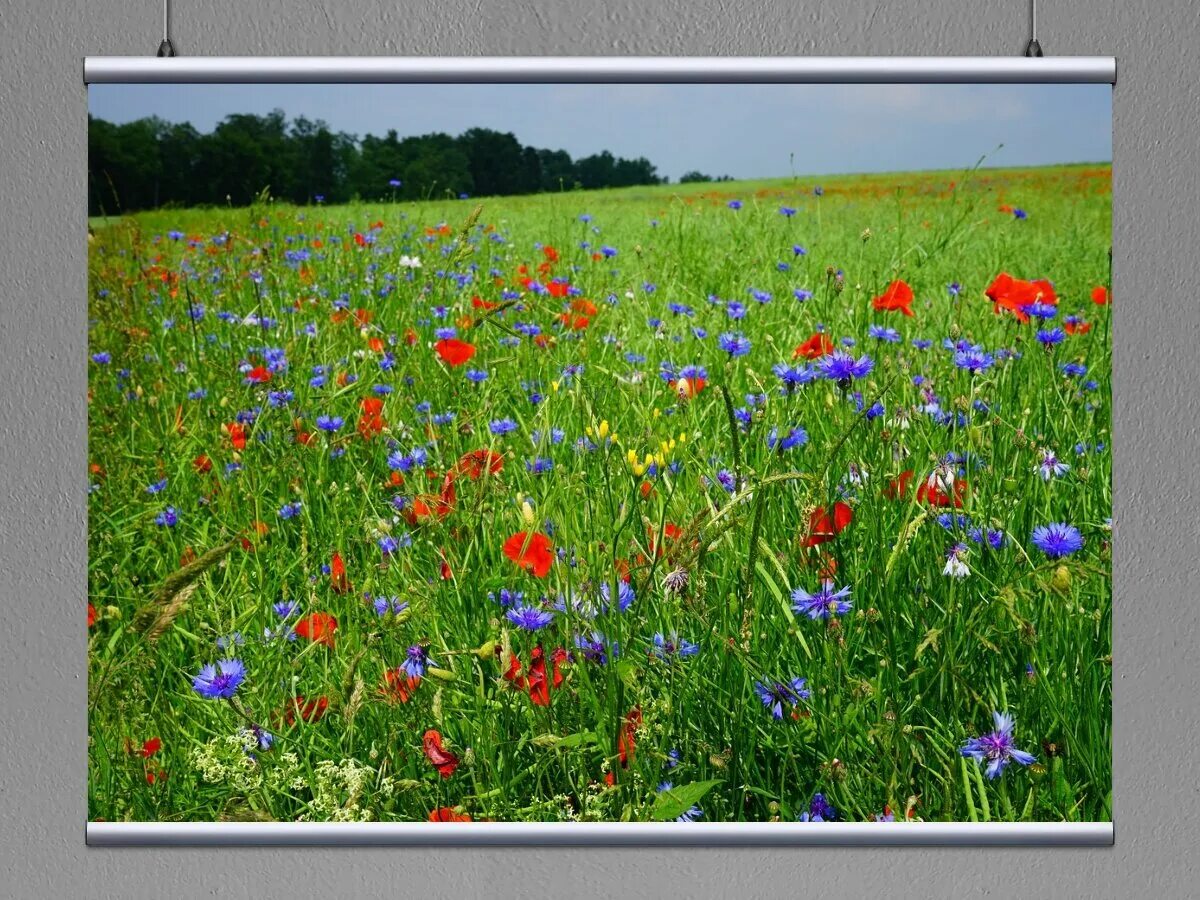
[445,571]
[237,435]
[371,421]
[363,317]
[188,556]
[539,687]
[531,552]
[815,347]
[375,345]
[202,464]
[896,296]
[258,375]
[310,710]
[897,488]
[398,686]
[150,747]
[558,288]
[428,507]
[581,314]
[480,303]
[337,574]
[671,533]
[935,496]
[453,351]
[1017,296]
[627,738]
[550,253]
[318,627]
[1101,295]
[1077,327]
[447,814]
[477,462]
[823,527]
[91,615]
[441,758]
[410,337]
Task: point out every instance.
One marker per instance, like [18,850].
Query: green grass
[898,683]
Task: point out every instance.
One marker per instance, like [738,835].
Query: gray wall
[42,281]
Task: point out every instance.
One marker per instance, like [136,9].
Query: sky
[746,131]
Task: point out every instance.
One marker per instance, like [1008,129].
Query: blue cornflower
[157,487]
[290,510]
[539,465]
[882,333]
[824,603]
[819,810]
[625,595]
[220,681]
[735,204]
[1019,213]
[507,597]
[1051,466]
[389,544]
[787,211]
[734,343]
[1048,337]
[1057,539]
[167,518]
[416,661]
[796,437]
[103,358]
[841,367]
[954,288]
[595,647]
[1074,369]
[974,360]
[793,376]
[385,605]
[330,423]
[776,695]
[529,617]
[997,748]
[735,310]
[670,647]
[285,608]
[502,426]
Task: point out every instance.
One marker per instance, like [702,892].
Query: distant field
[738,501]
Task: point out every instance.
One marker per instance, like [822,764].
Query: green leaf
[674,802]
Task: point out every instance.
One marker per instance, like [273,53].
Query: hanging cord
[166,48]
[1033,48]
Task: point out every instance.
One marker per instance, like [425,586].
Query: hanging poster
[555,454]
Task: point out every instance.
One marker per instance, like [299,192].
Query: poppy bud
[439,674]
[1061,580]
[1010,485]
[486,651]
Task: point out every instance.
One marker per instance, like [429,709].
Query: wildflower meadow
[742,501]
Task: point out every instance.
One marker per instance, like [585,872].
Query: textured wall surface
[43,105]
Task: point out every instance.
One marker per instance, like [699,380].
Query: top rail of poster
[600,70]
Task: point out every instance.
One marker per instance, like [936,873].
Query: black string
[1033,48]
[166,48]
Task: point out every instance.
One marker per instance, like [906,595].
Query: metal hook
[166,48]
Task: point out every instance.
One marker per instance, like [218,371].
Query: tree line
[150,163]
